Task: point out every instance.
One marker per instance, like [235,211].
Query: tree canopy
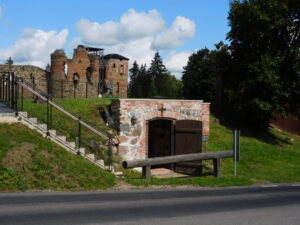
[257,75]
[9,61]
[155,81]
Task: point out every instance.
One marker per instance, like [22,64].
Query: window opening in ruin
[114,65]
[89,73]
[121,69]
[65,69]
[76,79]
[118,88]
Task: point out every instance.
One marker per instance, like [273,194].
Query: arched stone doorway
[168,137]
[160,138]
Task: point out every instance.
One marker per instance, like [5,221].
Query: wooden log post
[146,172]
[217,167]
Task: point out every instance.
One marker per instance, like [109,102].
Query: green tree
[134,73]
[158,74]
[264,42]
[205,74]
[9,61]
[145,83]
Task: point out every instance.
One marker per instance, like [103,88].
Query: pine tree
[157,73]
[134,76]
[9,61]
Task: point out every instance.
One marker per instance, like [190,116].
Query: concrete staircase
[60,140]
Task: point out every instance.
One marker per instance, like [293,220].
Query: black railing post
[74,91]
[33,86]
[1,88]
[16,94]
[7,84]
[86,89]
[79,133]
[12,91]
[22,94]
[48,116]
[62,88]
[110,155]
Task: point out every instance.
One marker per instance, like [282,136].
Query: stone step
[62,138]
[91,156]
[72,144]
[52,132]
[118,174]
[100,162]
[109,168]
[81,151]
[24,114]
[33,120]
[5,111]
[43,126]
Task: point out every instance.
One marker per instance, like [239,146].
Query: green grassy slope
[65,126]
[30,162]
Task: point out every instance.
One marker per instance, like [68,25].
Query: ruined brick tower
[116,74]
[89,73]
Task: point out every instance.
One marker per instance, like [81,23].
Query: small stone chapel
[159,127]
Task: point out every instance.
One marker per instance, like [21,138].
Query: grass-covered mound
[89,110]
[29,161]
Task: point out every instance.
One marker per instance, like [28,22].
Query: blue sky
[30,30]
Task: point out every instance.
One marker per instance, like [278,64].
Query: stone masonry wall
[31,74]
[133,138]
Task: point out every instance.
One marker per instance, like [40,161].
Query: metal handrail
[63,106]
[24,85]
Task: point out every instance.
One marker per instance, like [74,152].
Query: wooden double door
[175,137]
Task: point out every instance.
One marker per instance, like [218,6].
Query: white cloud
[132,25]
[137,35]
[35,46]
[181,29]
[176,61]
[137,50]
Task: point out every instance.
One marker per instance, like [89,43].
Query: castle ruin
[89,68]
[88,74]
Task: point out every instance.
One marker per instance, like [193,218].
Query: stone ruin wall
[86,67]
[32,75]
[133,138]
[63,85]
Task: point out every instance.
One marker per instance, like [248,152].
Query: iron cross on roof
[162,109]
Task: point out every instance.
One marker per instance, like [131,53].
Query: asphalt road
[232,206]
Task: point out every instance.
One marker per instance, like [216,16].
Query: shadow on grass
[266,135]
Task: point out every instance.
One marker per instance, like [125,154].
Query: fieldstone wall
[32,74]
[130,118]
